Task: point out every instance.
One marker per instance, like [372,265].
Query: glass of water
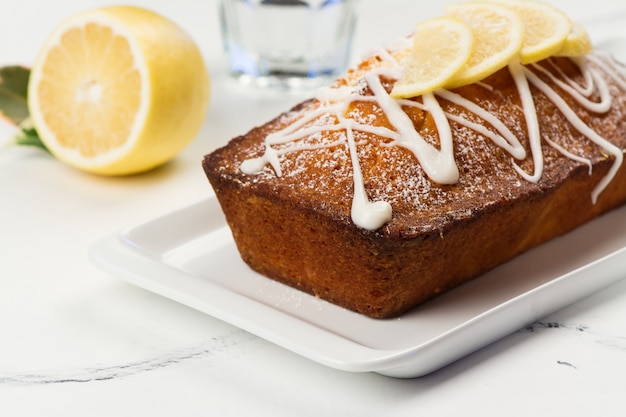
[290,44]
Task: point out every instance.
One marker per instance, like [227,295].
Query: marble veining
[236,344]
[233,344]
[553,325]
[608,341]
[564,363]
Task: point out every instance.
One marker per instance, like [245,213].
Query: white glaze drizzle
[532,122]
[439,164]
[506,139]
[582,95]
[365,213]
[570,155]
[609,65]
[583,128]
[586,89]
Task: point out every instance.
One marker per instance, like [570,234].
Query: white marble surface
[76,341]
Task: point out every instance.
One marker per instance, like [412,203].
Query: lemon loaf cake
[378,201]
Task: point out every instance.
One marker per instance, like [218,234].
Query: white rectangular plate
[189,256]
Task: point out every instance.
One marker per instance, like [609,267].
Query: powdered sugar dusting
[355,131]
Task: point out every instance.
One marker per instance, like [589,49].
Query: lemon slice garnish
[441,47]
[118,90]
[546,28]
[498,36]
[577,43]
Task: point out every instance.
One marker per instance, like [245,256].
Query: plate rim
[117,256]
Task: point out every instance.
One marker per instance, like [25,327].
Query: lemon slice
[118,90]
[440,48]
[577,43]
[498,35]
[546,28]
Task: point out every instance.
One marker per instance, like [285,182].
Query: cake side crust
[380,277]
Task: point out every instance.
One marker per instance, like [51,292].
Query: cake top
[428,68]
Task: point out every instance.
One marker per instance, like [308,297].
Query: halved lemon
[118,90]
[498,36]
[546,28]
[441,47]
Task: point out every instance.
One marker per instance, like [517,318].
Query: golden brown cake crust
[297,227]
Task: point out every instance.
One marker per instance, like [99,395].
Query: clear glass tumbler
[291,44]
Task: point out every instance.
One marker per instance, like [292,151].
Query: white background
[75,341]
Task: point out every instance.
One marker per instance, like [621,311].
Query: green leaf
[13,93]
[14,104]
[28,136]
